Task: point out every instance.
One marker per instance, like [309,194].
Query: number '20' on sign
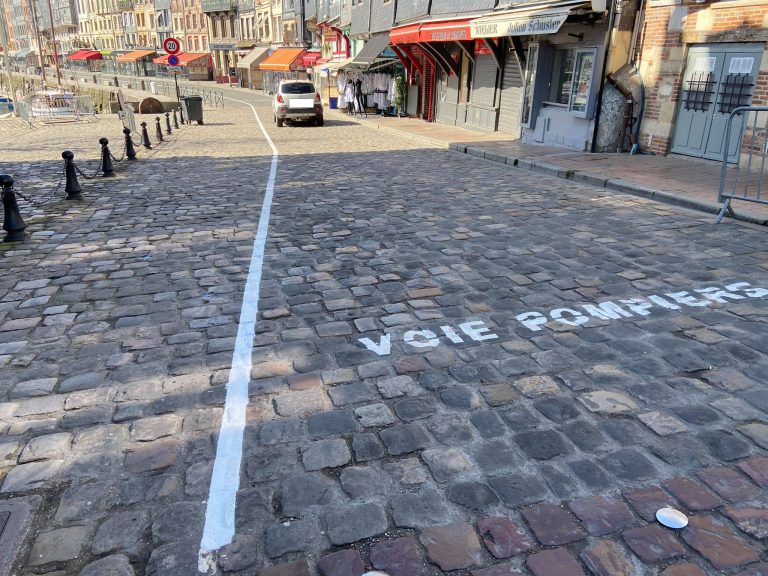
[171,45]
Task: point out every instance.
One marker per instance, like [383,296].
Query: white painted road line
[219,526]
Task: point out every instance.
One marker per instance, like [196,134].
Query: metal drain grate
[15,517]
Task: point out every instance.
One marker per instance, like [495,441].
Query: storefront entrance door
[718,79]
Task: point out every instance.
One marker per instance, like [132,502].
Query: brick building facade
[680,48]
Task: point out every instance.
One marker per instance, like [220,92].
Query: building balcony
[125,5]
[218,5]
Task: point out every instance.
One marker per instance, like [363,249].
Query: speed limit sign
[171,46]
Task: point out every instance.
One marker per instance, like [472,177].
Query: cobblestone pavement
[459,367]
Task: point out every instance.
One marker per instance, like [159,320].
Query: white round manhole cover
[671,518]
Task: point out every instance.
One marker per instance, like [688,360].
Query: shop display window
[558,77]
[570,82]
[581,87]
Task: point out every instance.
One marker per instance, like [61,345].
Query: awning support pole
[447,58]
[518,46]
[407,51]
[467,47]
[495,52]
[436,57]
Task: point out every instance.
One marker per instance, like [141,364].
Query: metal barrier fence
[211,97]
[49,109]
[743,173]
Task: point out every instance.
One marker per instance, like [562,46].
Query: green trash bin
[193,108]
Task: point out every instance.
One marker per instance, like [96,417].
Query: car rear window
[298,88]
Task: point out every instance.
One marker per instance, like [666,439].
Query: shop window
[570,80]
[581,88]
[562,77]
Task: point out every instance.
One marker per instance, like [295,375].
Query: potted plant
[401,95]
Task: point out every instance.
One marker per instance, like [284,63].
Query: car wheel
[319,121]
[280,122]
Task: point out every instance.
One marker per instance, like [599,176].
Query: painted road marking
[577,315]
[219,526]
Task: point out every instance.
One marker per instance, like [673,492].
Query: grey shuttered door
[484,85]
[511,96]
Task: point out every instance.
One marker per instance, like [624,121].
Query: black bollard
[106,158]
[168,123]
[145,137]
[181,114]
[72,187]
[175,120]
[130,153]
[13,223]
[158,129]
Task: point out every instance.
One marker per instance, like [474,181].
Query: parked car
[297,100]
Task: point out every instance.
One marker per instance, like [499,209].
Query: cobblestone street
[458,368]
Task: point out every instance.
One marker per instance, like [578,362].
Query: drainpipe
[606,48]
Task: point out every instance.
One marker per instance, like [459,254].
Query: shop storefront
[248,68]
[282,64]
[136,63]
[109,61]
[375,66]
[85,61]
[460,77]
[561,46]
[192,65]
[325,77]
[224,62]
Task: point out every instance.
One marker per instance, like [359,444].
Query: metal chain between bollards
[86,176]
[122,157]
[51,196]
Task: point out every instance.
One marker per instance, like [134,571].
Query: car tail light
[280,99]
[317,96]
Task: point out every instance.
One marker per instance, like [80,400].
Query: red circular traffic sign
[171,45]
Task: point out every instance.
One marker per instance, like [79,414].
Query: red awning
[404,34]
[188,58]
[310,58]
[184,58]
[431,31]
[85,55]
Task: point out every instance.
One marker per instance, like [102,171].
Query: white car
[297,100]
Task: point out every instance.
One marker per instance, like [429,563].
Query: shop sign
[518,26]
[450,35]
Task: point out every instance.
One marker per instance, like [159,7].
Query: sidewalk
[678,180]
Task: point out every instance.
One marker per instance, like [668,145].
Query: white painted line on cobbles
[219,528]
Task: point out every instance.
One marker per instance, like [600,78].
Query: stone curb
[613,184]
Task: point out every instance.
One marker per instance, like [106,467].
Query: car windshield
[298,88]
